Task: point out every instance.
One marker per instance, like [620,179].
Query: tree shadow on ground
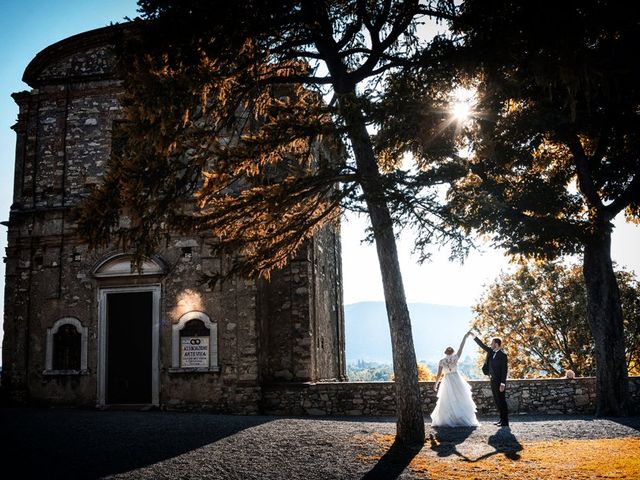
[446,440]
[631,421]
[66,443]
[393,462]
[504,442]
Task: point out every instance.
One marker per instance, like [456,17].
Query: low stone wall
[546,396]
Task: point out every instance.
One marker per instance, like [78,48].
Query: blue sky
[28,26]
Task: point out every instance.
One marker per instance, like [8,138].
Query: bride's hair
[448,351]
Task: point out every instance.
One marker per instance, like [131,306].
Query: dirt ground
[54,443]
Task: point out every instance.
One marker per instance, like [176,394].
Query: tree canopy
[557,115]
[540,312]
[261,121]
[553,152]
[550,156]
[229,117]
[257,121]
[557,148]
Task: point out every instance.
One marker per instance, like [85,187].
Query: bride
[455,406]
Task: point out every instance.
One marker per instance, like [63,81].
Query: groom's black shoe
[498,423]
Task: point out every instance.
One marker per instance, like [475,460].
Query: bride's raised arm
[464,339]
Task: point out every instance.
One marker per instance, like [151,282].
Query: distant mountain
[434,327]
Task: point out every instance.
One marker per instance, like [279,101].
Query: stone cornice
[59,50]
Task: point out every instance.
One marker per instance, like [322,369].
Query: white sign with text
[194,352]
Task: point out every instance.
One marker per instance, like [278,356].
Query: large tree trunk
[604,314]
[410,424]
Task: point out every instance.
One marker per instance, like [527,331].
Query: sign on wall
[194,352]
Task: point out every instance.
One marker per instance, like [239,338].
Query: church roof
[54,64]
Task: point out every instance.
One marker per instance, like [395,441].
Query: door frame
[155,289]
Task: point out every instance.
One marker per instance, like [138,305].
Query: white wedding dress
[455,406]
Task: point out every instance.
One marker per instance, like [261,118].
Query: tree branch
[287,79]
[379,47]
[349,32]
[630,194]
[585,182]
[326,45]
[439,14]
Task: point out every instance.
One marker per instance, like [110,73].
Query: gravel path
[48,443]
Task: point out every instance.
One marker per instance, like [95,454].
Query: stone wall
[287,329]
[284,304]
[302,326]
[327,315]
[546,396]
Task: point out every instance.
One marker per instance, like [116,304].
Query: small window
[195,344]
[66,348]
[194,328]
[66,352]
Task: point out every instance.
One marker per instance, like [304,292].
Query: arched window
[194,344]
[66,352]
[120,265]
[66,348]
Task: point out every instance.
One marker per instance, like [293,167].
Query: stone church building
[81,328]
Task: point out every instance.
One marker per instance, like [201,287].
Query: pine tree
[228,131]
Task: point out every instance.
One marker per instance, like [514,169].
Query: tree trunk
[604,314]
[410,424]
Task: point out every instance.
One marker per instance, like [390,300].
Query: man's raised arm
[479,342]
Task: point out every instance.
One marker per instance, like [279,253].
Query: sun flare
[462,103]
[461,111]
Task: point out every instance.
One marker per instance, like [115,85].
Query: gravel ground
[56,443]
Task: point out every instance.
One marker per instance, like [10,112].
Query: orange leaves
[218,140]
[550,155]
[424,374]
[539,311]
[512,106]
[266,217]
[560,459]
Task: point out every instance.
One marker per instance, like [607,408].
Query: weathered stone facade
[287,329]
[544,396]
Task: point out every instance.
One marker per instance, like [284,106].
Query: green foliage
[539,311]
[362,371]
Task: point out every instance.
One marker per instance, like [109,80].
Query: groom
[496,367]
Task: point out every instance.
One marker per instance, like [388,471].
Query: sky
[29,26]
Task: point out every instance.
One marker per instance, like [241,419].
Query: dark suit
[495,366]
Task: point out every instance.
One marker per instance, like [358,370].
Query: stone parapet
[540,396]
